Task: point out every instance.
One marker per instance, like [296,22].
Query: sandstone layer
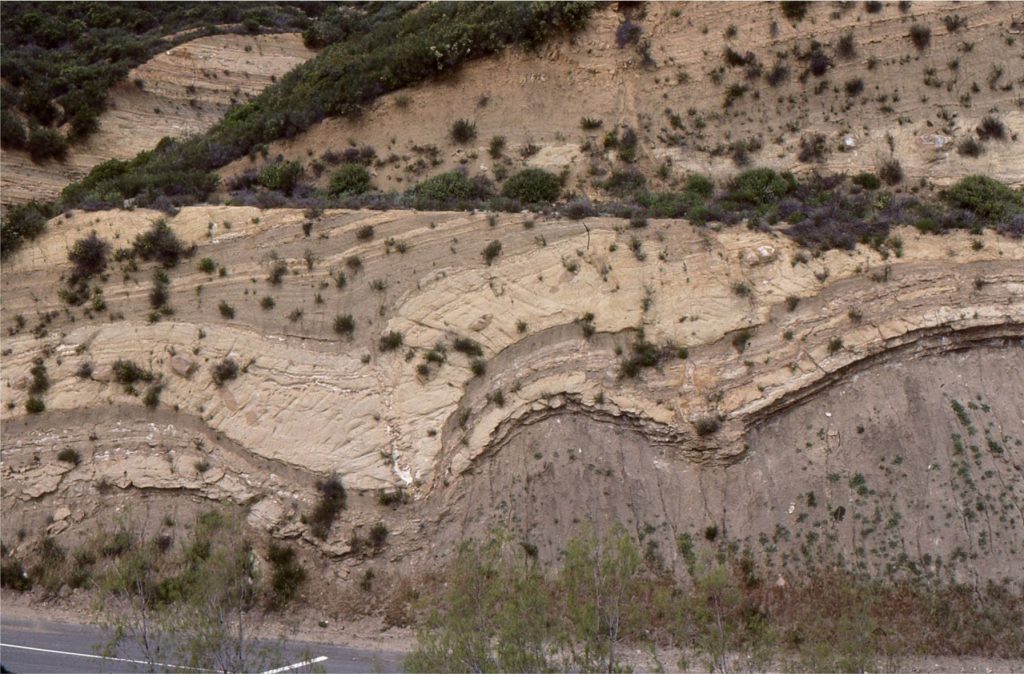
[794,357]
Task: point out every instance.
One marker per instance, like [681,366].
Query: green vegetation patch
[533,186]
[985,197]
[342,80]
[60,59]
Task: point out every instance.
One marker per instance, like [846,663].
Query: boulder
[183,365]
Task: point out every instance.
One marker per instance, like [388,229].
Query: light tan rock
[183,365]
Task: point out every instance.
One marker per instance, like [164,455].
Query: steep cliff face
[706,386]
[786,405]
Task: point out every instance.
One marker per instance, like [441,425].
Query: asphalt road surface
[31,646]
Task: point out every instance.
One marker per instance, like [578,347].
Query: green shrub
[378,535]
[970,147]
[794,10]
[533,186]
[127,373]
[14,577]
[644,354]
[920,35]
[226,310]
[159,243]
[463,131]
[699,186]
[159,294]
[207,265]
[449,186]
[88,256]
[69,455]
[891,172]
[760,187]
[392,498]
[868,181]
[468,346]
[988,198]
[497,147]
[349,180]
[741,338]
[391,340]
[332,501]
[152,396]
[23,222]
[46,143]
[286,575]
[706,426]
[628,183]
[491,251]
[696,191]
[344,324]
[278,269]
[34,405]
[224,370]
[670,204]
[283,176]
[40,379]
[12,132]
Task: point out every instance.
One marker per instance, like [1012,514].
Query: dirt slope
[184,91]
[925,100]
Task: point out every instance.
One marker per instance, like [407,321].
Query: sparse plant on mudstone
[463,131]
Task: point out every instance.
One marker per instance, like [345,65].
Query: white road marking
[304,663]
[102,657]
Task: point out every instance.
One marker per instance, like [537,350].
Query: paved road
[30,646]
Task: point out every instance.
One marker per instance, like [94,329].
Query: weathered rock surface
[308,403]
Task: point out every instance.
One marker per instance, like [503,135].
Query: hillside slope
[785,389]
[914,105]
[178,93]
[817,376]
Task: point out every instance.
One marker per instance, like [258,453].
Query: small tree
[599,577]
[717,602]
[493,617]
[198,604]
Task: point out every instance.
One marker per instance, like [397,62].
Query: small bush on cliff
[332,501]
[533,186]
[223,371]
[159,243]
[988,198]
[349,180]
